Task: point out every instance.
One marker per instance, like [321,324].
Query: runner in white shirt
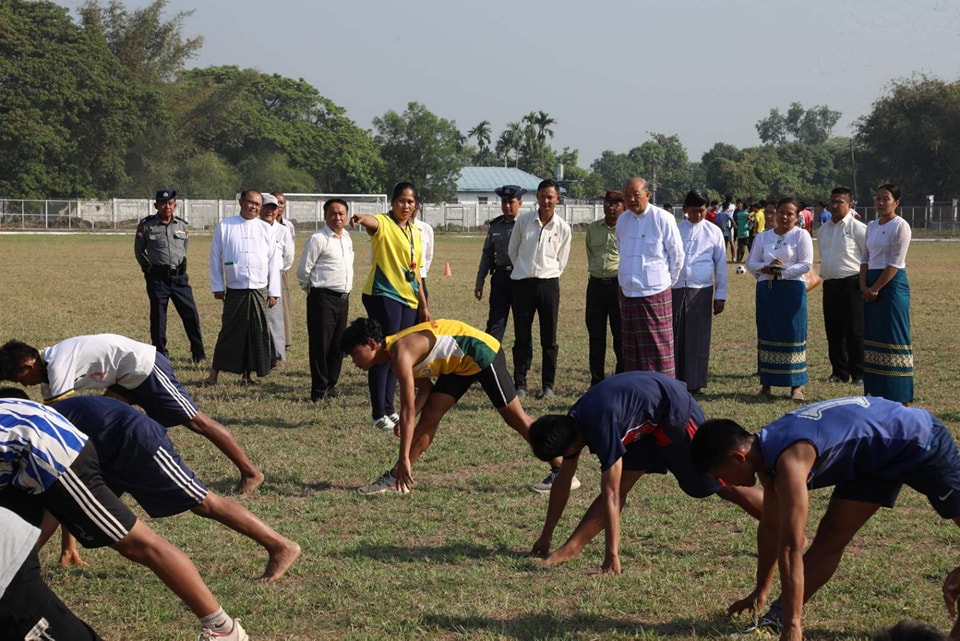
[128,370]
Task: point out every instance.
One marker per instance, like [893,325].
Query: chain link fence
[122,214]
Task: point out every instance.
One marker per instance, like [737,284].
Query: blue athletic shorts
[162,396]
[494,379]
[162,483]
[937,477]
[645,455]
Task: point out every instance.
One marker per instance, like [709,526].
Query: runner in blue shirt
[55,468]
[137,456]
[635,423]
[867,448]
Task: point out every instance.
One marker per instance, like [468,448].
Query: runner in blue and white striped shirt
[55,468]
[37,446]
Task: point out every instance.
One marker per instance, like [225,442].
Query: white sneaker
[395,418]
[387,482]
[544,486]
[384,423]
[236,634]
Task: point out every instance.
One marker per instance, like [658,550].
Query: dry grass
[448,561]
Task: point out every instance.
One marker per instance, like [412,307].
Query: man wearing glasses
[603,290]
[245,275]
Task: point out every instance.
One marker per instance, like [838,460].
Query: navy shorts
[494,379]
[648,456]
[160,482]
[937,477]
[161,395]
[84,504]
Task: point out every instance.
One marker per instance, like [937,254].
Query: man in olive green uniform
[161,249]
[603,289]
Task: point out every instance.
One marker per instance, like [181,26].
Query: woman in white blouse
[888,352]
[778,259]
[699,293]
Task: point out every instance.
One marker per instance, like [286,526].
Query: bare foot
[249,483]
[72,557]
[561,555]
[280,561]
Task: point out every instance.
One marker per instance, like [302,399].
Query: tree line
[112,110]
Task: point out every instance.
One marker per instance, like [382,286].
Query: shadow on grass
[556,626]
[449,553]
[273,484]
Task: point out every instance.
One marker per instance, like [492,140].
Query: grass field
[449,560]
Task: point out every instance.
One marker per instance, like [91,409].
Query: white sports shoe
[384,423]
[387,482]
[236,634]
[544,486]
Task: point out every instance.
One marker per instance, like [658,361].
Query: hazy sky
[609,71]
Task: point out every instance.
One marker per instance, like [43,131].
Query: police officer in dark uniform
[161,250]
[495,260]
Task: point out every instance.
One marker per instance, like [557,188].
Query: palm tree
[482,133]
[542,121]
[510,140]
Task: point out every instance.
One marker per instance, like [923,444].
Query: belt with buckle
[329,292]
[605,281]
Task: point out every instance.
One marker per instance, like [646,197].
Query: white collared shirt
[244,255]
[426,242]
[651,253]
[841,247]
[537,250]
[285,244]
[705,258]
[327,262]
[794,249]
[887,244]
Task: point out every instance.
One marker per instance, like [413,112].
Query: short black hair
[910,631]
[789,200]
[714,440]
[12,355]
[549,182]
[14,392]
[401,187]
[360,332]
[335,201]
[842,191]
[551,435]
[694,198]
[893,189]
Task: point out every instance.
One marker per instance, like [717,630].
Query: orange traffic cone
[446,269]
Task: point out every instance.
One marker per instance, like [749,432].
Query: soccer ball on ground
[741,269]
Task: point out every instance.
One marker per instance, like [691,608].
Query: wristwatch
[874,293]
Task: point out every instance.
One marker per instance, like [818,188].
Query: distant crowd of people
[656,283]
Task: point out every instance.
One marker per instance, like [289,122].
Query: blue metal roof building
[477,184]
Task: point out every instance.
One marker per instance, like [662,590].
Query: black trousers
[541,297]
[162,288]
[29,605]
[327,314]
[843,320]
[603,304]
[500,302]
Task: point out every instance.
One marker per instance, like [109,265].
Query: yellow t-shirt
[395,251]
[459,349]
